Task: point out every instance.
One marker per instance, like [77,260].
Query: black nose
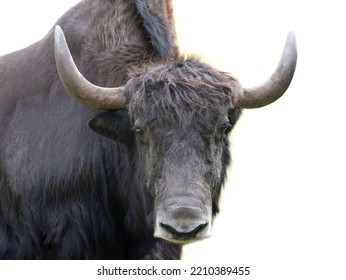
[184,223]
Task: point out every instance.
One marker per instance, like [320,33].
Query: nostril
[184,233]
[169,228]
[200,228]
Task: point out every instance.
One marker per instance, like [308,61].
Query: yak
[113,145]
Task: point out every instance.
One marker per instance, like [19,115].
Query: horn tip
[58,32]
[57,29]
[291,39]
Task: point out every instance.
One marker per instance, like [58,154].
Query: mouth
[171,234]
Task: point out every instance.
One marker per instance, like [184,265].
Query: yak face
[181,113]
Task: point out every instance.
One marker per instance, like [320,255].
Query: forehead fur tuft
[170,90]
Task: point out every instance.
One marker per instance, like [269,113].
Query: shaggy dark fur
[161,90]
[67,192]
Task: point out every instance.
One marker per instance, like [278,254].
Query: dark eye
[226,126]
[138,131]
[138,127]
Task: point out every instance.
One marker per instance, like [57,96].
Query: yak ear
[112,124]
[233,116]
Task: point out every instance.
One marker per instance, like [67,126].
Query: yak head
[181,111]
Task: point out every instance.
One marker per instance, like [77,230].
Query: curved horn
[77,86]
[277,84]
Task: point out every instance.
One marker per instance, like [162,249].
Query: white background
[284,207]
